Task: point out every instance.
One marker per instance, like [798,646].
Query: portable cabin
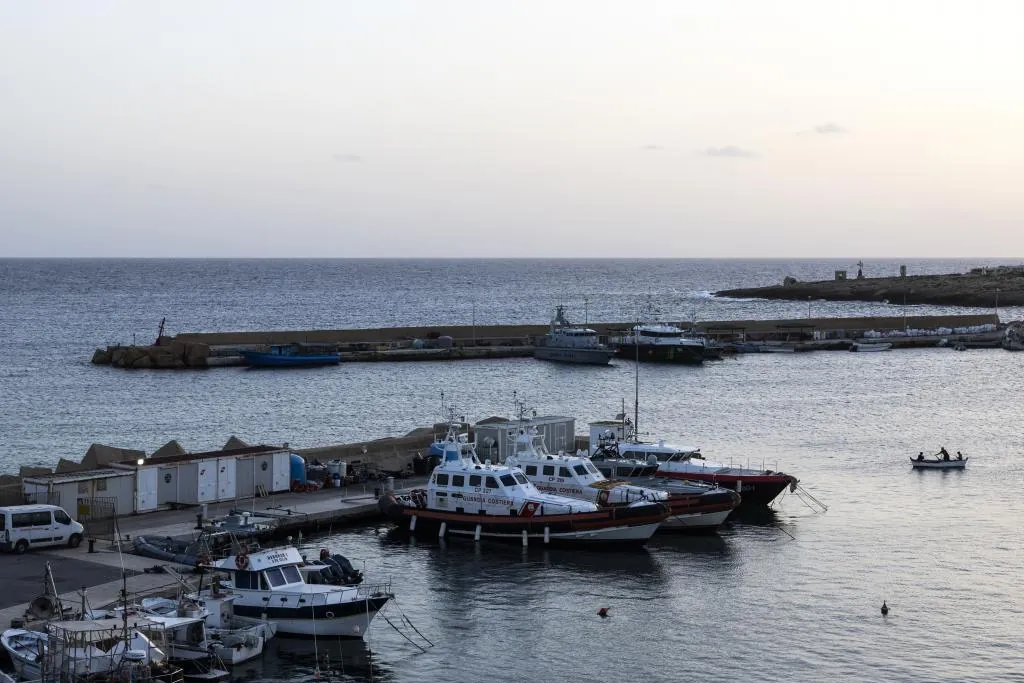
[208,477]
[495,440]
[77,491]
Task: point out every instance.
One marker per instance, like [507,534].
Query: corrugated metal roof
[67,477]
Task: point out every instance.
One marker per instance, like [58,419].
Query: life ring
[242,560]
[602,497]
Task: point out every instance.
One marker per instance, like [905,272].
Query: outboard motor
[350,575]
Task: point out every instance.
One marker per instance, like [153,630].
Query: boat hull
[578,356]
[662,353]
[613,526]
[939,464]
[258,359]
[340,620]
[755,490]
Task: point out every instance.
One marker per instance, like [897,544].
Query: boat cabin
[461,483]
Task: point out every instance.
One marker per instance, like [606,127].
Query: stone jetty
[981,287]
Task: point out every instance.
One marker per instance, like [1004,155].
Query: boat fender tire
[602,497]
[329,615]
[242,561]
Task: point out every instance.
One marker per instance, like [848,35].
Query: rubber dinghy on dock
[467,498]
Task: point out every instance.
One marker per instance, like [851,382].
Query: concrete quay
[99,572]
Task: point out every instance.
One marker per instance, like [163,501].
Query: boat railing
[362,592]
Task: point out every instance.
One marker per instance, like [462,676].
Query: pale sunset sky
[497,129]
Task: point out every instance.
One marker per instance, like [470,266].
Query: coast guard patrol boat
[693,508]
[465,497]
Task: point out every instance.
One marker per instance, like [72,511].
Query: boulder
[102,357]
[33,471]
[100,455]
[234,442]
[142,363]
[65,465]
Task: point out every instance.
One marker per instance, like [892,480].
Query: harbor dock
[98,568]
[466,342]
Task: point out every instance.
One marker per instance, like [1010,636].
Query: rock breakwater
[982,288]
[174,356]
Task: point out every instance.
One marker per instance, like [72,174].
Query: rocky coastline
[980,288]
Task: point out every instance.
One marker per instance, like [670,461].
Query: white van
[35,526]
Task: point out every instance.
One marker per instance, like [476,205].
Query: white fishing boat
[940,461]
[26,650]
[865,347]
[231,639]
[568,344]
[268,585]
[479,500]
[693,509]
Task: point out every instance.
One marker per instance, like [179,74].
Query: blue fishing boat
[289,356]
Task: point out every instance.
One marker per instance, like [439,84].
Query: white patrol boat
[693,508]
[269,586]
[467,498]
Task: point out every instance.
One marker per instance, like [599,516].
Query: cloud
[829,129]
[730,151]
[347,158]
[653,148]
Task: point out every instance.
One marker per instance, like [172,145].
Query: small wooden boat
[289,356]
[922,463]
[870,346]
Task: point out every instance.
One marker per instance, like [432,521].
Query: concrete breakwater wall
[209,349]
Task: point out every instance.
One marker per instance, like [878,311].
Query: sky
[490,128]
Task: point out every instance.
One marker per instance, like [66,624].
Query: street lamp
[808,308]
[997,304]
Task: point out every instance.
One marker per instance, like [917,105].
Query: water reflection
[324,659]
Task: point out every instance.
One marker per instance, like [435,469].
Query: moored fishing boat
[660,344]
[470,499]
[288,356]
[268,585]
[692,508]
[757,488]
[870,346]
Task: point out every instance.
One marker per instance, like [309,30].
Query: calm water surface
[794,598]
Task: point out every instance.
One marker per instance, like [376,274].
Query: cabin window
[263,583]
[579,469]
[474,480]
[549,470]
[101,484]
[591,468]
[492,483]
[521,479]
[291,574]
[61,517]
[508,480]
[531,470]
[458,480]
[3,522]
[441,479]
[246,580]
[606,471]
[564,472]
[83,487]
[623,471]
[275,577]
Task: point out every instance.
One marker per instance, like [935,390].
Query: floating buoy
[885,608]
[603,612]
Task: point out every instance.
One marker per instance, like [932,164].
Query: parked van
[35,526]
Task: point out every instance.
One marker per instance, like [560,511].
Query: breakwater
[454,342]
[981,287]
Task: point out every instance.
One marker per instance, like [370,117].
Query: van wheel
[75,540]
[21,546]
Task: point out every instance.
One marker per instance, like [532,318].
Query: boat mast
[636,378]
